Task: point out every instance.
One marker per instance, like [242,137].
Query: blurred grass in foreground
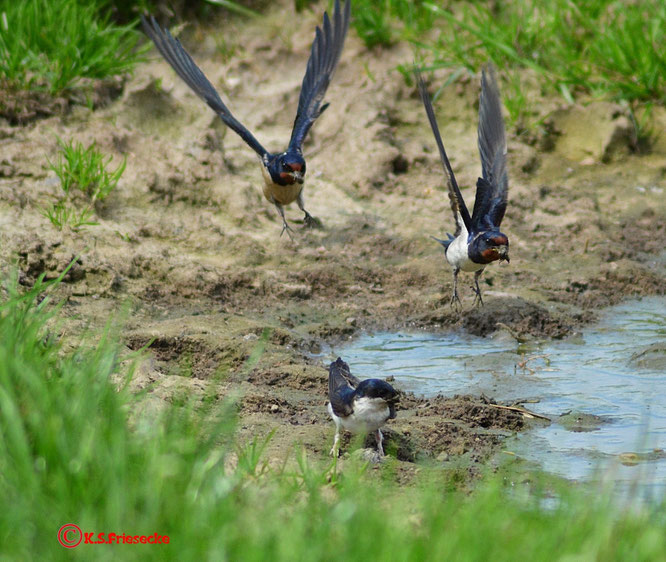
[54,45]
[68,455]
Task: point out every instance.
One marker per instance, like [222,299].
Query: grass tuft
[55,45]
[384,22]
[84,170]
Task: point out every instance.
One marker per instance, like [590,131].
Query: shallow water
[591,373]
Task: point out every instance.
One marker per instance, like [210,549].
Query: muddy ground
[189,254]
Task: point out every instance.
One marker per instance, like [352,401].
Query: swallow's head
[377,388]
[287,168]
[490,246]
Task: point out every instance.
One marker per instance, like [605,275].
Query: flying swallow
[358,406]
[283,171]
[477,240]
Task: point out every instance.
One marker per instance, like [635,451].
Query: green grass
[69,455]
[602,47]
[55,45]
[85,170]
[384,22]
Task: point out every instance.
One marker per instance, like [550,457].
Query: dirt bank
[190,248]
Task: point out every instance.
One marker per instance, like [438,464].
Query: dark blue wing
[324,56]
[455,197]
[492,188]
[191,74]
[341,385]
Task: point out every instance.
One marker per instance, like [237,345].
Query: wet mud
[189,255]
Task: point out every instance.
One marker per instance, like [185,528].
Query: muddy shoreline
[188,253]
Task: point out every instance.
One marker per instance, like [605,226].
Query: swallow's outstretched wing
[174,53]
[324,56]
[341,384]
[458,206]
[492,188]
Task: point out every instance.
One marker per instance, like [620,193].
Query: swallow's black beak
[504,254]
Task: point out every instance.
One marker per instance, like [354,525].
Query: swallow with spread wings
[283,171]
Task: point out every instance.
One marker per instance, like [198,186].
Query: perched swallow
[284,171]
[358,406]
[477,240]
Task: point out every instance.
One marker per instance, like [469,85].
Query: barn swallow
[358,406]
[477,240]
[284,171]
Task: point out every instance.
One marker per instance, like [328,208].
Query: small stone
[351,321]
[275,408]
[443,457]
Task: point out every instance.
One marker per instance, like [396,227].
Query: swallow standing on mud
[477,240]
[284,171]
[358,406]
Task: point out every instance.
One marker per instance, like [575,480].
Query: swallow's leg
[380,443]
[455,299]
[285,227]
[477,298]
[336,440]
[308,220]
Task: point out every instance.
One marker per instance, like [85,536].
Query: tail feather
[446,242]
[339,376]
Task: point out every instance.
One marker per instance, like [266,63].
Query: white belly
[369,415]
[457,255]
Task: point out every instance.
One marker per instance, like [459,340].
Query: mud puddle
[603,389]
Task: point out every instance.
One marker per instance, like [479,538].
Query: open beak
[504,254]
[298,176]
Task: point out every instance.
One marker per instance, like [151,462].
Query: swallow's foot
[455,301]
[311,222]
[286,228]
[478,301]
[335,449]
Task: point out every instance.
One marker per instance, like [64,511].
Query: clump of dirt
[477,411]
[20,107]
[293,375]
[521,316]
[447,427]
[651,357]
[580,422]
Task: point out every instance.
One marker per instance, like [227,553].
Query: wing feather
[179,59]
[324,57]
[492,188]
[455,197]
